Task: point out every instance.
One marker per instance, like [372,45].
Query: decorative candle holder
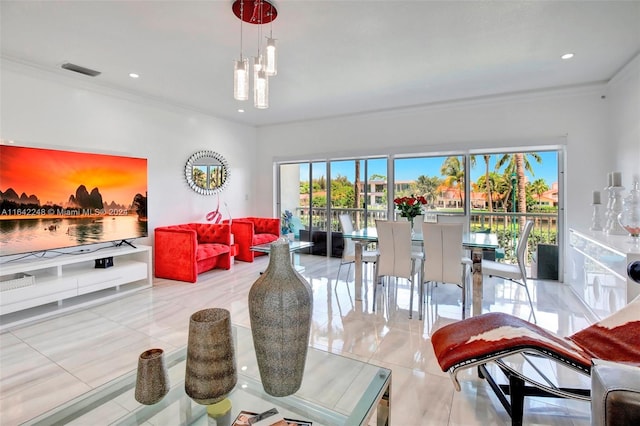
[629,217]
[596,224]
[607,212]
[613,225]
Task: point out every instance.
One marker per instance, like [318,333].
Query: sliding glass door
[509,188]
[316,193]
[497,191]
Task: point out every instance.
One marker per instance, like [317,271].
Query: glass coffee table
[294,247]
[335,391]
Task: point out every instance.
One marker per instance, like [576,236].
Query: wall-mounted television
[54,199]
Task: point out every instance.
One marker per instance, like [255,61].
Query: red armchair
[184,251]
[251,231]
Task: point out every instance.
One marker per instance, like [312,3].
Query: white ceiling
[335,57]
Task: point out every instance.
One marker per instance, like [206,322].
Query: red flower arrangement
[410,207]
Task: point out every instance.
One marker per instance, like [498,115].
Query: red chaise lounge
[184,251]
[492,337]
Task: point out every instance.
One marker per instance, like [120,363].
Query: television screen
[54,199]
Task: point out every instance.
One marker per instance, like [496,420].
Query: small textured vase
[152,380]
[280,308]
[211,365]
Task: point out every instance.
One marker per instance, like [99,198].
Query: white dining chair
[444,259]
[349,250]
[394,255]
[517,272]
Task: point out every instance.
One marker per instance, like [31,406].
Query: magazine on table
[269,418]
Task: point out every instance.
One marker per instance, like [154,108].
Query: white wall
[44,109]
[577,117]
[48,110]
[624,98]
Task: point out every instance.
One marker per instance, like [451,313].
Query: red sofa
[184,251]
[251,231]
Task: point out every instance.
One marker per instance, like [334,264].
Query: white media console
[70,280]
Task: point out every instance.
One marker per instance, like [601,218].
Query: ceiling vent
[81,70]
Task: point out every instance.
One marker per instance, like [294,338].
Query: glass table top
[471,240]
[293,246]
[335,391]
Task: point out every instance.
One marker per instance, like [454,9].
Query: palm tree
[519,162]
[356,187]
[487,181]
[488,187]
[502,189]
[453,170]
[539,186]
[427,186]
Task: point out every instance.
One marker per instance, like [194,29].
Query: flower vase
[152,379]
[211,366]
[280,308]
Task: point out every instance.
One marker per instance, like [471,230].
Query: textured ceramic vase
[211,365]
[152,380]
[280,308]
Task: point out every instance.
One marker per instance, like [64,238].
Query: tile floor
[46,363]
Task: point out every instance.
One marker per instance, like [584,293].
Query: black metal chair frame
[511,394]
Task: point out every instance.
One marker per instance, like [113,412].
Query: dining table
[476,242]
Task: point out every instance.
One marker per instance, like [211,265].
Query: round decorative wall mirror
[207,172]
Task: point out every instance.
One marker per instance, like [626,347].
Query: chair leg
[421,300]
[516,393]
[376,278]
[526,287]
[411,300]
[464,291]
[412,281]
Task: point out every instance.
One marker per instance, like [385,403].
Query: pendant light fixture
[270,54]
[241,70]
[258,12]
[261,90]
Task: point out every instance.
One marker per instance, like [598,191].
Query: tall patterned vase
[152,379]
[211,365]
[280,308]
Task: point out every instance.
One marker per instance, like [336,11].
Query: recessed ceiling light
[240,110]
[567,56]
[133,75]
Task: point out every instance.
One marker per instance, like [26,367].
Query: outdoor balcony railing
[506,225]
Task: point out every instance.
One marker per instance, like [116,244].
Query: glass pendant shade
[261,90]
[241,79]
[270,63]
